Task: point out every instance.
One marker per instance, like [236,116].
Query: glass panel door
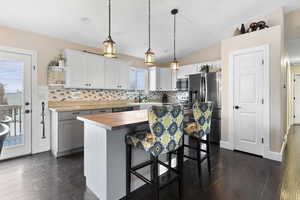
[15,103]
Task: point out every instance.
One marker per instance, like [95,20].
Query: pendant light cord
[109,18]
[149,25]
[174,36]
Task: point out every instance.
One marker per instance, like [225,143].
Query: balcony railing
[11,115]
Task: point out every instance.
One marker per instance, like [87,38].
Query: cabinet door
[70,135]
[123,71]
[112,74]
[132,78]
[165,79]
[174,80]
[95,71]
[75,69]
[153,79]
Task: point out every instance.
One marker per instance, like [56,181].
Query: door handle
[237,107]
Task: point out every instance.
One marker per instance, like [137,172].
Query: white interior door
[297,98]
[248,102]
[15,103]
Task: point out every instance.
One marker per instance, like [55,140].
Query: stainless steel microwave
[182,84]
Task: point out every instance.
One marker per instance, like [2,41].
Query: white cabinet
[160,79]
[186,70]
[153,79]
[116,74]
[132,78]
[174,80]
[165,79]
[94,75]
[75,69]
[124,70]
[84,70]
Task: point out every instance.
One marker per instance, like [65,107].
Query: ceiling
[200,23]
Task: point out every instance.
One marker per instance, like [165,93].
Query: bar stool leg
[208,154]
[180,169]
[128,168]
[155,177]
[169,155]
[199,157]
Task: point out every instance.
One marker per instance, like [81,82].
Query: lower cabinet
[71,135]
[67,133]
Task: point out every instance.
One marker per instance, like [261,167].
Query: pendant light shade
[109,46]
[175,65]
[149,58]
[149,55]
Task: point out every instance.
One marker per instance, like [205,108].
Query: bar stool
[200,130]
[165,136]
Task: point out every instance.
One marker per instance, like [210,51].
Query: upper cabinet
[116,74]
[85,70]
[160,79]
[94,71]
[165,79]
[75,69]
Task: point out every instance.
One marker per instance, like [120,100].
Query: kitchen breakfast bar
[104,152]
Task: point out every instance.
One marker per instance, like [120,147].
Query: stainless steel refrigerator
[207,87]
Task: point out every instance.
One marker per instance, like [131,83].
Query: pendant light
[149,55]
[109,46]
[174,64]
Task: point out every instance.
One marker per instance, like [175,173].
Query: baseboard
[277,156]
[272,155]
[226,145]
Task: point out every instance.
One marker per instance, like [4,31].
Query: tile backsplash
[63,94]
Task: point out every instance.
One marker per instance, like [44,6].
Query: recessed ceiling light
[86,20]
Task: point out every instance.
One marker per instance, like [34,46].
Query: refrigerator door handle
[205,87]
[202,89]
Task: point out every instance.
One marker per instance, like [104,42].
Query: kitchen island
[104,152]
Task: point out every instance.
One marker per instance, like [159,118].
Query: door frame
[294,74]
[266,107]
[34,86]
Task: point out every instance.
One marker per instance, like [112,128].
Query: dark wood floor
[235,176]
[291,175]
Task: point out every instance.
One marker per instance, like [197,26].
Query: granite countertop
[116,120]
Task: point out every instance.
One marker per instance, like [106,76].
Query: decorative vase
[243,29]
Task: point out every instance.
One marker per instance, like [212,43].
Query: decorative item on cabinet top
[255,26]
[55,73]
[214,66]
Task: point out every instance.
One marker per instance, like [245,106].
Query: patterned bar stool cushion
[166,126]
[202,112]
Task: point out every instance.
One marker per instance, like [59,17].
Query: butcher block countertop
[116,120]
[112,121]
